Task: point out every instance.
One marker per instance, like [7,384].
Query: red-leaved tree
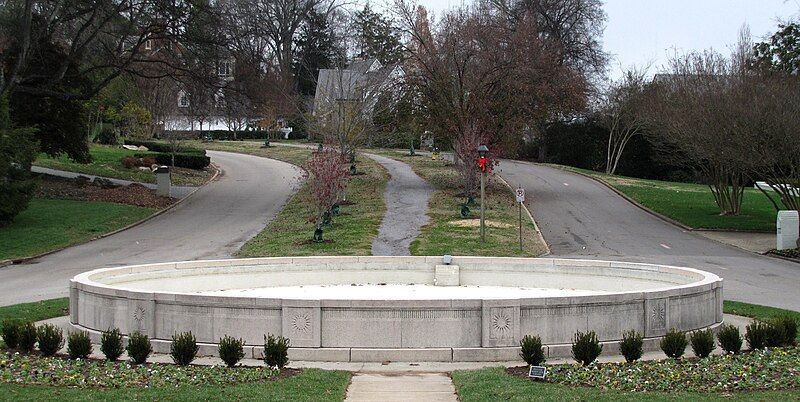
[327,178]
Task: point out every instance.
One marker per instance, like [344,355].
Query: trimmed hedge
[161,147]
[184,160]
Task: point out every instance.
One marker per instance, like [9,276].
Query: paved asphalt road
[406,196]
[212,223]
[581,218]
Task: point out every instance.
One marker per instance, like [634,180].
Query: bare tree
[105,39]
[346,103]
[621,116]
[479,70]
[726,119]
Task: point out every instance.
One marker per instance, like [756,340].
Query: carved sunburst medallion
[301,322]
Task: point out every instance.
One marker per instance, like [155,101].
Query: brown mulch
[134,194]
[520,371]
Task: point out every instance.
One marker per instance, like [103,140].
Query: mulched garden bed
[134,194]
[33,369]
[775,369]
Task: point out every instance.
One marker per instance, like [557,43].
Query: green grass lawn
[293,155]
[290,233]
[448,233]
[692,204]
[50,224]
[309,385]
[493,384]
[106,163]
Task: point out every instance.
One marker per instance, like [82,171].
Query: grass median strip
[50,224]
[691,204]
[351,233]
[449,233]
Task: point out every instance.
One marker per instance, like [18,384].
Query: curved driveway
[212,223]
[582,218]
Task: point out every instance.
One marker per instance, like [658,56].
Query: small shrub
[786,327]
[26,336]
[532,351]
[729,339]
[10,333]
[79,345]
[139,347]
[674,343]
[276,351]
[183,348]
[51,339]
[129,162]
[586,348]
[231,350]
[756,335]
[702,343]
[111,344]
[148,161]
[776,335]
[631,346]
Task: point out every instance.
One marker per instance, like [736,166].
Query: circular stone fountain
[396,308]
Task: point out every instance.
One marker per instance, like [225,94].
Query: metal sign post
[520,193]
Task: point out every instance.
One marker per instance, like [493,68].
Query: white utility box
[788,228]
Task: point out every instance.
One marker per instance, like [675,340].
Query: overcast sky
[641,32]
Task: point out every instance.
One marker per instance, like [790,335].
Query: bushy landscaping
[107,162]
[493,384]
[692,204]
[50,224]
[449,233]
[36,370]
[775,369]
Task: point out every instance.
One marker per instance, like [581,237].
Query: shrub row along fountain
[396,308]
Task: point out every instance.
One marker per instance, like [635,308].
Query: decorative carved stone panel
[302,326]
[140,316]
[656,316]
[500,323]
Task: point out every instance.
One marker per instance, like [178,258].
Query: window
[183,99]
[148,44]
[224,68]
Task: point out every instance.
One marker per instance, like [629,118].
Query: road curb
[530,216]
[134,224]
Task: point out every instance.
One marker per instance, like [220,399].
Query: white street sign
[520,195]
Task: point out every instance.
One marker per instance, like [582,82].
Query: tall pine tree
[376,38]
[316,50]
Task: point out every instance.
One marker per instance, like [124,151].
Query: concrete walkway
[407,197]
[431,387]
[758,243]
[175,191]
[213,223]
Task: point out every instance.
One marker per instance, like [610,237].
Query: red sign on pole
[482,163]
